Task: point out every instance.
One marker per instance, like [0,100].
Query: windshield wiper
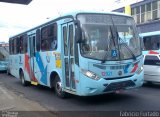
[113,38]
[133,56]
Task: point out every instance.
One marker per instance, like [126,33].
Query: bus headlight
[90,74]
[140,70]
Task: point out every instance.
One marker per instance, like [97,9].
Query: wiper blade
[133,56]
[113,38]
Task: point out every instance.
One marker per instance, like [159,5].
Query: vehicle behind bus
[83,53]
[3,65]
[3,56]
[151,52]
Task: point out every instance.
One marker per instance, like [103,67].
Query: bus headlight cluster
[90,74]
[140,70]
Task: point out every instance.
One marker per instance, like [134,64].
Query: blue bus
[151,52]
[82,53]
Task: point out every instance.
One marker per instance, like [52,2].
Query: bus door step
[34,83]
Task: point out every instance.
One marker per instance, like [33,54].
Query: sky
[16,18]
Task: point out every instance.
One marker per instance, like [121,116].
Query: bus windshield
[100,40]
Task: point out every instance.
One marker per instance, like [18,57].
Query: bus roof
[150,33]
[98,12]
[72,14]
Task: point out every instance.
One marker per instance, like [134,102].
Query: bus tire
[58,88]
[23,81]
[149,83]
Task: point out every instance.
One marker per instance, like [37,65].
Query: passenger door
[69,60]
[32,48]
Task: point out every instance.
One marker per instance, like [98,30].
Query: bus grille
[118,85]
[118,77]
[118,67]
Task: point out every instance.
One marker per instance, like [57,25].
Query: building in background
[4,47]
[146,14]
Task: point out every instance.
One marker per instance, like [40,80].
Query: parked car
[3,65]
[152,68]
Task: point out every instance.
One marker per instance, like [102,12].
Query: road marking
[7,108]
[6,94]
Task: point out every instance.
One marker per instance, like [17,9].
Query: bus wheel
[149,83]
[23,81]
[58,88]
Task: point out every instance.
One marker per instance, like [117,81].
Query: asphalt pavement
[145,98]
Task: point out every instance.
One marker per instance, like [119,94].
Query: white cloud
[16,18]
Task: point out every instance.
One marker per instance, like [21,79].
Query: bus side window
[10,46]
[44,44]
[44,35]
[65,41]
[147,43]
[49,37]
[17,45]
[54,44]
[158,43]
[12,49]
[21,44]
[25,43]
[38,40]
[54,37]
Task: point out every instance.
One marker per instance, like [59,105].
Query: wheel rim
[59,87]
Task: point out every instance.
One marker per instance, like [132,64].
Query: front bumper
[90,87]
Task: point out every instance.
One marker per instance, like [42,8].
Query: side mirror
[78,32]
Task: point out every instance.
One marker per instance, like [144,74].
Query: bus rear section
[151,52]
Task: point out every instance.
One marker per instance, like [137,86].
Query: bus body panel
[14,65]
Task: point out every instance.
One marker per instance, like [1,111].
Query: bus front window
[129,41]
[97,41]
[99,37]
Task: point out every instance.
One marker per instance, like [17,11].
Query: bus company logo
[108,73]
[120,73]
